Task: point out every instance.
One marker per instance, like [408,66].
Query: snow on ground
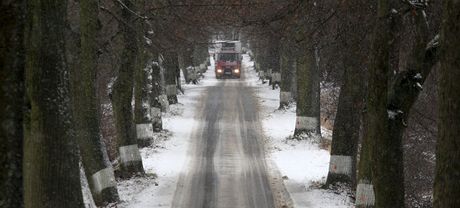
[166,158]
[302,163]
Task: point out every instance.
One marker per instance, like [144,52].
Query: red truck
[228,61]
[228,65]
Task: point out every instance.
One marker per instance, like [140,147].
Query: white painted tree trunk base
[306,123]
[103,179]
[276,77]
[144,131]
[203,68]
[365,194]
[171,90]
[285,97]
[129,154]
[155,114]
[261,74]
[340,164]
[164,102]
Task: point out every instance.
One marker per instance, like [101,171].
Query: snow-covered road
[227,165]
[227,148]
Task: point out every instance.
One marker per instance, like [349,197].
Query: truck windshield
[227,57]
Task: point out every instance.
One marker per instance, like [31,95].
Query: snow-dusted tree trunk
[200,54]
[287,72]
[342,166]
[381,186]
[187,55]
[130,158]
[155,97]
[143,70]
[402,94]
[447,181]
[142,117]
[307,112]
[171,69]
[51,171]
[274,62]
[182,65]
[98,169]
[347,123]
[11,103]
[264,67]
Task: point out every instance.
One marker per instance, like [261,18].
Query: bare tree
[347,123]
[447,181]
[12,93]
[98,169]
[130,158]
[51,171]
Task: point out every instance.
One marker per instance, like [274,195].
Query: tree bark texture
[200,54]
[385,153]
[182,66]
[142,110]
[12,92]
[447,179]
[307,111]
[171,69]
[98,169]
[273,59]
[345,137]
[51,171]
[141,91]
[287,72]
[155,97]
[131,162]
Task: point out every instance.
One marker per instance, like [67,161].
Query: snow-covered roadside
[302,164]
[165,160]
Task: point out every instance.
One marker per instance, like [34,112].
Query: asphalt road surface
[227,167]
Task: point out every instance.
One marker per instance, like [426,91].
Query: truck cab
[228,60]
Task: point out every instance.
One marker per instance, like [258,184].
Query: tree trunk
[345,137]
[98,169]
[274,63]
[11,103]
[155,97]
[200,55]
[293,79]
[287,72]
[307,121]
[385,153]
[183,66]
[142,117]
[316,94]
[130,158]
[171,68]
[447,180]
[51,171]
[188,64]
[342,168]
[263,65]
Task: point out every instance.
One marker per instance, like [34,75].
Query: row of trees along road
[60,71]
[382,74]
[71,69]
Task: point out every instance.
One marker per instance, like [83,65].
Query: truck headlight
[219,70]
[236,70]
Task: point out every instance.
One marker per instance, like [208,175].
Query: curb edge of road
[281,196]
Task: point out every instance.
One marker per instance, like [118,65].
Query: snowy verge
[302,164]
[165,159]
